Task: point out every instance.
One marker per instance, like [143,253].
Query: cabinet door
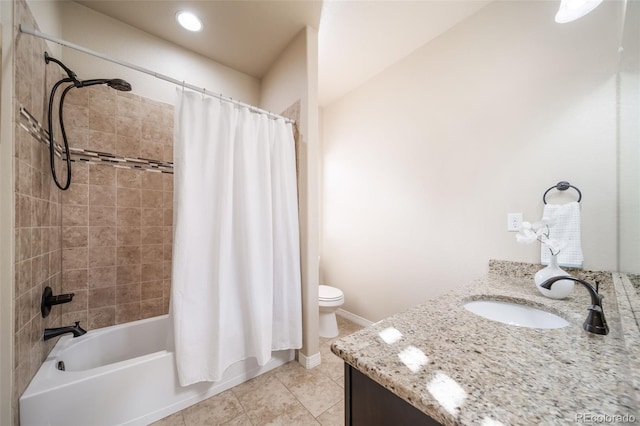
[369,404]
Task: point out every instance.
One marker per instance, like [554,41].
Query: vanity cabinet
[367,403]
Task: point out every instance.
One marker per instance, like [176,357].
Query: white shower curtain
[236,261]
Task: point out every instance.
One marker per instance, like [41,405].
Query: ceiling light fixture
[570,10]
[189,21]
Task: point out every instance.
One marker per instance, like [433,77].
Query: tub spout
[50,333]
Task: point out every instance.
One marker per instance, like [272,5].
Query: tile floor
[289,395]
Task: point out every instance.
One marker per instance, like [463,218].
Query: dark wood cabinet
[367,403]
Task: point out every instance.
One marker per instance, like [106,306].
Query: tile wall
[37,250]
[108,238]
[117,222]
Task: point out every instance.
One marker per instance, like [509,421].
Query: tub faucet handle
[48,300]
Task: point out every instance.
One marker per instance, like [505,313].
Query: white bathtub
[121,375]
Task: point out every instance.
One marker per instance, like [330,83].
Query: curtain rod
[27,30]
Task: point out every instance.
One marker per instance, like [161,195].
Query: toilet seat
[329,294]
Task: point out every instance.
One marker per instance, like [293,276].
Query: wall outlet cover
[514,222]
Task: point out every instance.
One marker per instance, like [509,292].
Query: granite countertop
[462,369]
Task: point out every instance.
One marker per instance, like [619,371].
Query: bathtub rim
[49,379]
[48,372]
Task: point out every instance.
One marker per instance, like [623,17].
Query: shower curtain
[236,262]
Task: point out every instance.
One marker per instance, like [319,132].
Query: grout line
[35,129]
[341,402]
[274,374]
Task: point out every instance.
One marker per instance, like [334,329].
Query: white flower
[526,236]
[548,220]
[539,231]
[529,232]
[539,227]
[554,245]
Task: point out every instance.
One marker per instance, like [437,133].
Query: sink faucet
[595,322]
[50,333]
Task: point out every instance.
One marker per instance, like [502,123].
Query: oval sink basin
[515,314]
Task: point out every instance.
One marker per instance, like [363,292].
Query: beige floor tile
[334,371]
[243,420]
[253,384]
[297,416]
[175,419]
[326,341]
[331,365]
[346,327]
[216,410]
[268,401]
[293,374]
[334,416]
[315,390]
[289,395]
[340,383]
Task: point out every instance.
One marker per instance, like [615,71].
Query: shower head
[119,84]
[115,83]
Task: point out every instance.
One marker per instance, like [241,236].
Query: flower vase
[559,289]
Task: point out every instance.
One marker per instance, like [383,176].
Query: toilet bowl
[329,299]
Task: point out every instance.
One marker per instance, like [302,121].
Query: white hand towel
[566,228]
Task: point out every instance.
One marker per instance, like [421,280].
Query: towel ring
[561,186]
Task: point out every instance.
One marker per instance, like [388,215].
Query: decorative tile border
[35,129]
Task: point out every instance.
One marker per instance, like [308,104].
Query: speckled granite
[635,281]
[477,371]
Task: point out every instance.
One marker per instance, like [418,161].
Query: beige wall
[48,15]
[423,162]
[88,28]
[292,78]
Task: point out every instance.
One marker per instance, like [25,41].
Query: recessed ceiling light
[189,21]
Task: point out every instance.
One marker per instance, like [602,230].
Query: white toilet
[329,299]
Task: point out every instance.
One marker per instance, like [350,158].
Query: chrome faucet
[595,322]
[50,333]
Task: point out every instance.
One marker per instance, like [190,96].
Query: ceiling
[245,35]
[357,39]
